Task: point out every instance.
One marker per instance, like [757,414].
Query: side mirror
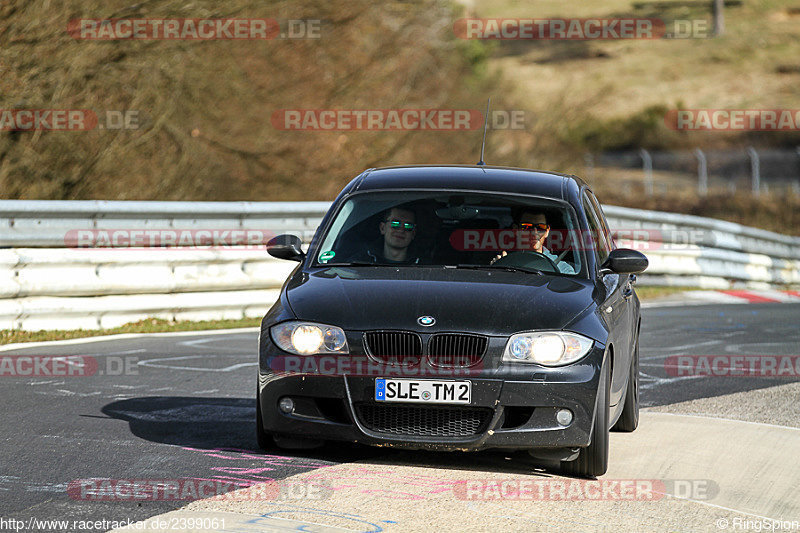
[624,261]
[286,247]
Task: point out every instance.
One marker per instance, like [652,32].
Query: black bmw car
[455,308]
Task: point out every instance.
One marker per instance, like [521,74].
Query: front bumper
[513,406]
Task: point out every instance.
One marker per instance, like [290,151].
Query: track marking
[230,368]
[198,343]
[670,349]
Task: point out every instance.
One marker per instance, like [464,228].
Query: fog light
[564,417]
[286,405]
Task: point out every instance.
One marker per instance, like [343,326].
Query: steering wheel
[528,259]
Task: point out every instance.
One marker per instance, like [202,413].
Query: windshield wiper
[507,268]
[348,263]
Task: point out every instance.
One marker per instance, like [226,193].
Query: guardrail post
[755,170]
[647,166]
[702,172]
[588,160]
[796,183]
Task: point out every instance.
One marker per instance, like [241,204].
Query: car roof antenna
[485,122]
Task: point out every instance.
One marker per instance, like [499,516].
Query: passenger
[398,228]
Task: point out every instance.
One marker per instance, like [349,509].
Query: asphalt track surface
[186,408]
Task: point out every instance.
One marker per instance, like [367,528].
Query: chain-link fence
[750,169]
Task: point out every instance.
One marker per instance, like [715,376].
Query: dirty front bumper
[513,406]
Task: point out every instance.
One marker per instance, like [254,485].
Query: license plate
[422,391]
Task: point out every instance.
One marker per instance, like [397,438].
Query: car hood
[490,302]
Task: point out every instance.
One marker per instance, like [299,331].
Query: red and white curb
[755,297]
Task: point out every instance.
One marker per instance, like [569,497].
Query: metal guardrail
[27,272]
[680,229]
[692,251]
[47,282]
[49,223]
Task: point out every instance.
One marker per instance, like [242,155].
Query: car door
[615,306]
[630,302]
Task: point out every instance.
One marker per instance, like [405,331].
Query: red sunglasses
[538,227]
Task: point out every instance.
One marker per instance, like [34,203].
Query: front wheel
[262,437]
[629,419]
[592,461]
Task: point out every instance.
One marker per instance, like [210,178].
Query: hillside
[206,109]
[205,106]
[617,91]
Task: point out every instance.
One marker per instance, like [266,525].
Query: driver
[536,222]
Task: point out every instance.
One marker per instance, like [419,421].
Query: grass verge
[150,325]
[651,293]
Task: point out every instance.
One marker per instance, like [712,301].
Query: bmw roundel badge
[426,321]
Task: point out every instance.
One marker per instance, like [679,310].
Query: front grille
[456,349]
[428,421]
[394,347]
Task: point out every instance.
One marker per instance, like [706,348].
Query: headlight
[307,338]
[549,348]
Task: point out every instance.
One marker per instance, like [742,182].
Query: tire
[592,461]
[629,419]
[262,437]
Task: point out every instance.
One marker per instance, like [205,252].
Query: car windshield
[469,230]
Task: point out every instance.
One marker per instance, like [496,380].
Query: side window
[598,237]
[602,217]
